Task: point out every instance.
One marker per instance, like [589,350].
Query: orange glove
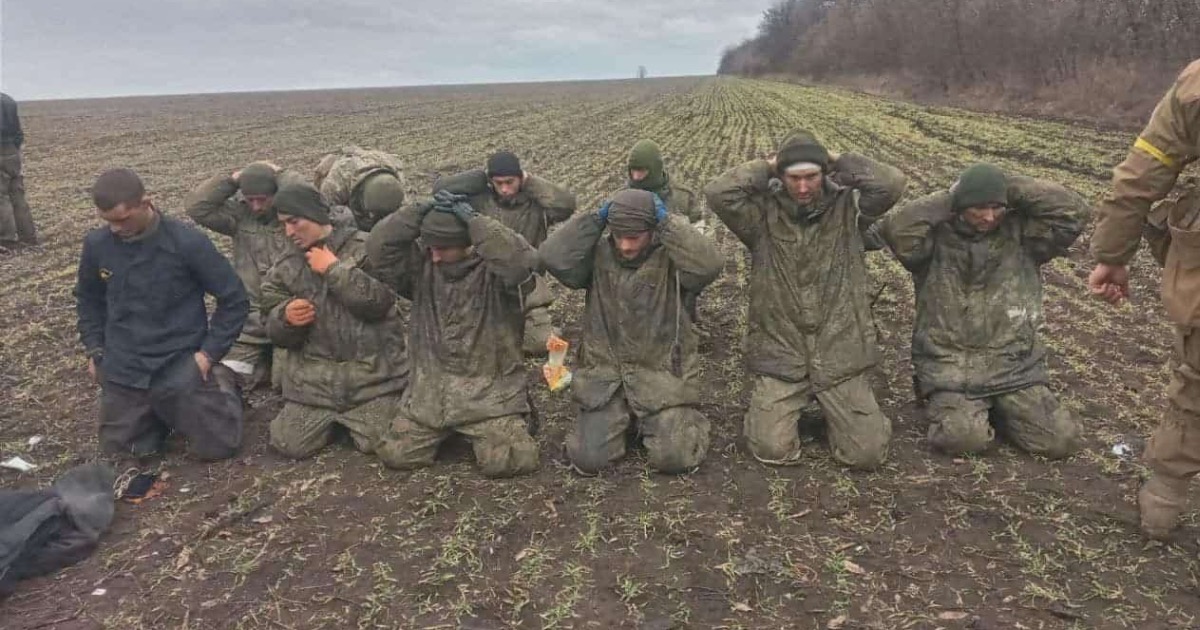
[299,312]
[320,259]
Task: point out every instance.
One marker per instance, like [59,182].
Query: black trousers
[207,413]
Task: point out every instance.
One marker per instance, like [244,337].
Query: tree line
[1093,49]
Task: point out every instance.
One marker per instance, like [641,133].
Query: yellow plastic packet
[555,371]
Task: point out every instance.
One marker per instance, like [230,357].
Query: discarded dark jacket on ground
[42,531]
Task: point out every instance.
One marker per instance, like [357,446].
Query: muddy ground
[1003,540]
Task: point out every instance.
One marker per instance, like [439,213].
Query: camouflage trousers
[1174,448]
[208,413]
[16,219]
[1030,418]
[299,431]
[503,446]
[858,431]
[538,325]
[676,438]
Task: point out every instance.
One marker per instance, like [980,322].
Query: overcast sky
[82,48]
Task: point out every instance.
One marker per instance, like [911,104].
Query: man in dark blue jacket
[142,318]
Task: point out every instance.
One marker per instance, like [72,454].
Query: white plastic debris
[100,592]
[35,440]
[18,464]
[1122,450]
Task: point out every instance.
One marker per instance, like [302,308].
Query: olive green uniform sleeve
[392,247]
[694,255]
[556,202]
[275,298]
[212,205]
[508,255]
[879,185]
[569,253]
[1168,143]
[908,231]
[735,197]
[366,298]
[1052,216]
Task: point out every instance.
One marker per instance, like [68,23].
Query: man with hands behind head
[241,205]
[638,362]
[467,276]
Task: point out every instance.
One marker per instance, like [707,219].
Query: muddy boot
[1161,500]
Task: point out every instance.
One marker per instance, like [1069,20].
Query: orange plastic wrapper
[555,371]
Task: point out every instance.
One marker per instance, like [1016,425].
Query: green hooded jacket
[810,313]
[636,328]
[258,241]
[979,295]
[354,352]
[467,321]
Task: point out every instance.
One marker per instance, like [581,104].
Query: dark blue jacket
[141,303]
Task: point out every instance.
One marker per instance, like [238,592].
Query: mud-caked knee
[516,456]
[589,460]
[676,440]
[959,431]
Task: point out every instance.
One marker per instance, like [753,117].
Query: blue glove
[460,209]
[660,209]
[603,212]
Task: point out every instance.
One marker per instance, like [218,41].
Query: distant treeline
[1104,58]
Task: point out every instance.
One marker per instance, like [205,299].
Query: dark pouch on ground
[139,486]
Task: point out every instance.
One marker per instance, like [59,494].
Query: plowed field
[1003,540]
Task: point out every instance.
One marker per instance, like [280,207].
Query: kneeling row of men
[328,301]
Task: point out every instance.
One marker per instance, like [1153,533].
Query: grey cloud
[65,48]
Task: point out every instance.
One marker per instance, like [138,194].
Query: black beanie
[504,164]
[304,201]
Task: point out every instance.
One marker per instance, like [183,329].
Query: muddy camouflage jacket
[258,242]
[1170,141]
[636,328]
[537,206]
[810,313]
[354,352]
[339,175]
[466,322]
[979,296]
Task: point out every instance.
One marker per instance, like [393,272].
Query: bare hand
[300,312]
[236,176]
[203,362]
[320,259]
[773,163]
[1109,283]
[92,369]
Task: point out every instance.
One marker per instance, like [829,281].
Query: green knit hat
[258,179]
[802,146]
[980,185]
[442,229]
[304,201]
[646,155]
[381,193]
